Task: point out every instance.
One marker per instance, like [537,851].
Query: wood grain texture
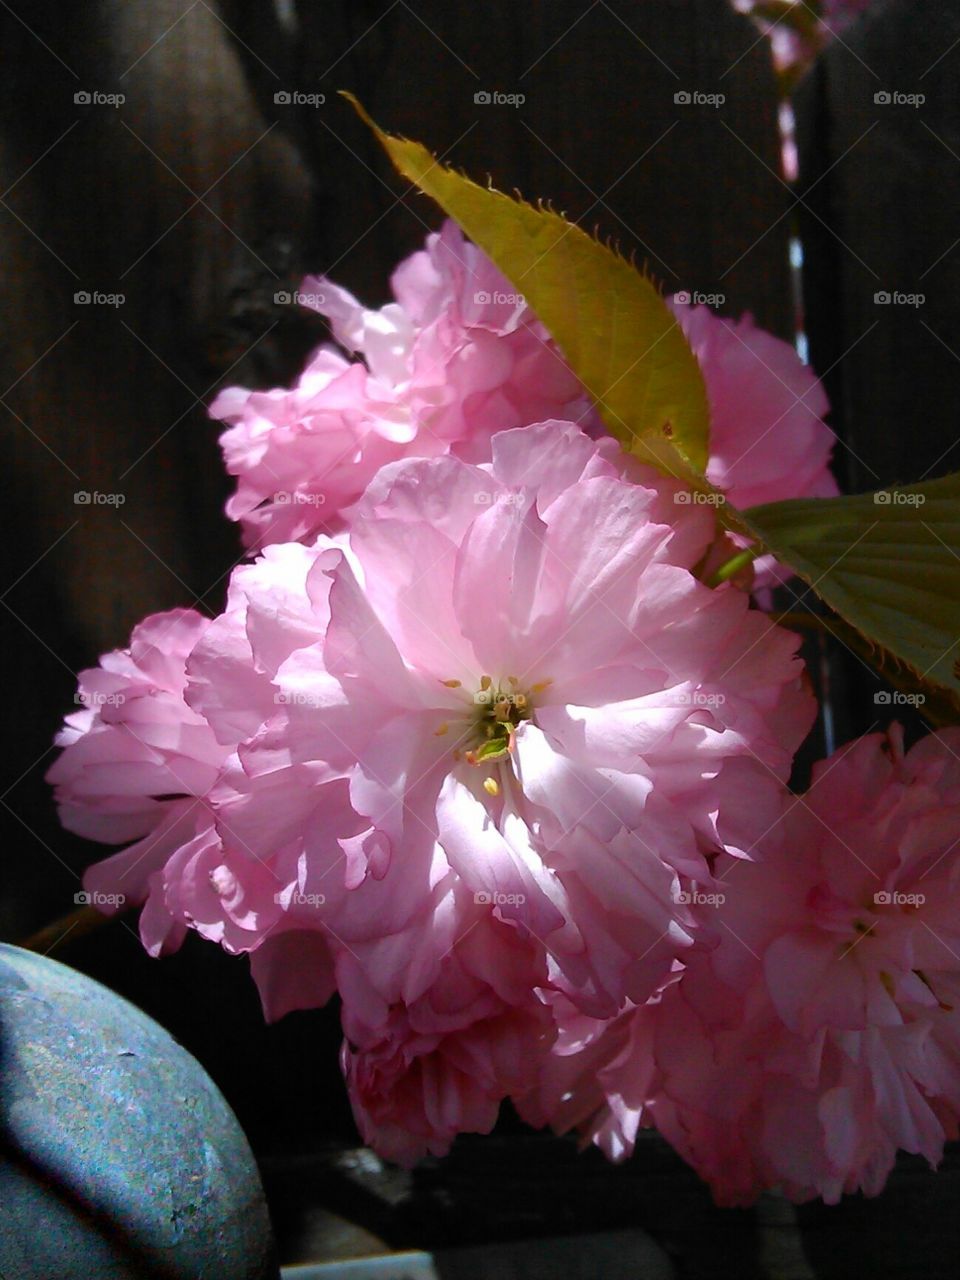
[687,189]
[187,202]
[880,190]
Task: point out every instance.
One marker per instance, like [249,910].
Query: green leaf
[888,563]
[611,323]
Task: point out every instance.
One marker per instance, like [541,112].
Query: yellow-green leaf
[611,323]
[887,562]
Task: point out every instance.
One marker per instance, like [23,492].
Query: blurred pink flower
[457,357]
[823,1033]
[597,1077]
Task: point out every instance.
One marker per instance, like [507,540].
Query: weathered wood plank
[687,188]
[882,184]
[110,399]
[880,189]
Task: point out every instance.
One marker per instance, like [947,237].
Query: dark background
[198,199]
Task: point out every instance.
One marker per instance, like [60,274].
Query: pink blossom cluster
[476,745]
[456,357]
[822,1035]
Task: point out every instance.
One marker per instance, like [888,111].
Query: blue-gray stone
[119,1157]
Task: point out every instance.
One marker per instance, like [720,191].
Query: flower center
[499,709]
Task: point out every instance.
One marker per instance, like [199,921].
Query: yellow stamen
[520,701]
[451,684]
[541,685]
[513,680]
[485,683]
[441,730]
[491,786]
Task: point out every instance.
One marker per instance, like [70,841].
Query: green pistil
[500,712]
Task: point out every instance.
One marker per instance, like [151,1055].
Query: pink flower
[420,1073]
[235,884]
[459,345]
[597,1077]
[505,676]
[303,455]
[823,1034]
[137,762]
[768,440]
[457,357]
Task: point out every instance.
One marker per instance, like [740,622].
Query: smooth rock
[119,1157]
